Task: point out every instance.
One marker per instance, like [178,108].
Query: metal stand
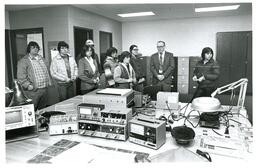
[242,83]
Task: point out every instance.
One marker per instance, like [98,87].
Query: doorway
[105,43]
[234,54]
[80,36]
[16,44]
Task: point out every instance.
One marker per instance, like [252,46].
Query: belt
[65,83]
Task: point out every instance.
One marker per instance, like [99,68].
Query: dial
[149,132]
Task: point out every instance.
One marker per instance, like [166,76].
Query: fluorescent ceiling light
[218,8]
[136,14]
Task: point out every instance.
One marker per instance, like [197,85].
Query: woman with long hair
[88,70]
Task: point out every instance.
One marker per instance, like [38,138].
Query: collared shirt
[40,71]
[163,53]
[59,69]
[90,60]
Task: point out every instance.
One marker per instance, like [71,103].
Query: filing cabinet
[183,79]
[183,75]
[192,64]
[183,64]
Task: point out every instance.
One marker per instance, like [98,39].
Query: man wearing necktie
[162,66]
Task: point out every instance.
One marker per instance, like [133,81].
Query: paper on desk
[222,146]
[177,155]
[114,91]
[68,107]
[85,153]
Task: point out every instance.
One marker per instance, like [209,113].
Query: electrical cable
[227,113]
[187,119]
[171,115]
[241,115]
[235,121]
[216,132]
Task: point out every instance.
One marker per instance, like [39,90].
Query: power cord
[183,116]
[171,114]
[187,119]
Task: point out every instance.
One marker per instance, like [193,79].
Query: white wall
[81,18]
[53,20]
[58,22]
[183,37]
[7,23]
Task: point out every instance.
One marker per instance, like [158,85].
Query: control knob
[94,114]
[111,129]
[149,132]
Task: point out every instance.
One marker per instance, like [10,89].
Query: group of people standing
[119,71]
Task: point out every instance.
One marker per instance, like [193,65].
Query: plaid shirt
[40,71]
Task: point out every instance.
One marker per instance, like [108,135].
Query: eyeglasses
[34,47]
[136,49]
[159,46]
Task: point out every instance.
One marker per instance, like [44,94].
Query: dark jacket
[96,57]
[85,73]
[210,71]
[168,67]
[136,63]
[25,73]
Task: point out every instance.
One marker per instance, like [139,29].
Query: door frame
[111,44]
[80,28]
[13,46]
[77,83]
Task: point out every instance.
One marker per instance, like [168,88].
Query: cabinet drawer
[183,88]
[183,63]
[183,59]
[183,70]
[183,79]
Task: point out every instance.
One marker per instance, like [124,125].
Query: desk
[22,151]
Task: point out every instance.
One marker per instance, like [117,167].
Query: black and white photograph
[128,83]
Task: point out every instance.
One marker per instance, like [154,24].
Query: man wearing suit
[162,66]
